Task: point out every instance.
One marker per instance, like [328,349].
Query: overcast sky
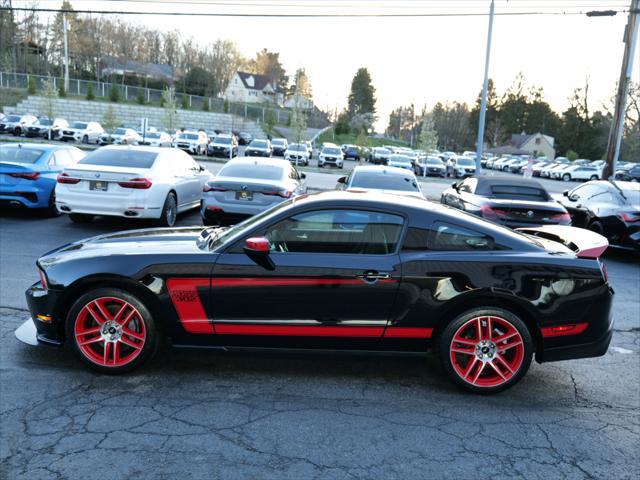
[414,59]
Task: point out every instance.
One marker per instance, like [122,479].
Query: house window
[253,93]
[538,141]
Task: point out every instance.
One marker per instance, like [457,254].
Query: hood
[132,243]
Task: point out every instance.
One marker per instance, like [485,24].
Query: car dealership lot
[275,415]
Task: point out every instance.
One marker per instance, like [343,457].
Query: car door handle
[373,276]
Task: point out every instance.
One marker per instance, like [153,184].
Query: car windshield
[222,140]
[434,161]
[152,135]
[188,136]
[16,154]
[120,157]
[258,144]
[332,151]
[399,159]
[384,181]
[297,147]
[277,141]
[120,131]
[45,121]
[518,192]
[13,118]
[467,162]
[252,170]
[79,125]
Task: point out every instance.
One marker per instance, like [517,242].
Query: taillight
[492,213]
[43,279]
[209,188]
[283,194]
[562,218]
[139,183]
[66,178]
[629,217]
[27,176]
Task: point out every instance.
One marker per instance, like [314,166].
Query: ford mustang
[333,271]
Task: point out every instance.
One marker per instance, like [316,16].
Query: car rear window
[384,181]
[258,144]
[20,154]
[116,157]
[13,118]
[188,136]
[261,172]
[222,140]
[79,125]
[517,192]
[277,142]
[332,151]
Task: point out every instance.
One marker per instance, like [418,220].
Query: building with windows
[253,88]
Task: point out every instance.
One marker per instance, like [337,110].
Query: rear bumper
[115,206]
[29,197]
[596,348]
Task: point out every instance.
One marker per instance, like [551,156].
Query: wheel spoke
[506,365]
[505,337]
[91,340]
[475,379]
[88,331]
[107,350]
[128,342]
[464,341]
[497,370]
[116,352]
[133,334]
[470,351]
[479,328]
[489,331]
[467,371]
[117,316]
[504,348]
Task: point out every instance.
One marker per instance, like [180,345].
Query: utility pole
[615,134]
[65,27]
[485,87]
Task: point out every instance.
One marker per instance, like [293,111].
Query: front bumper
[35,331]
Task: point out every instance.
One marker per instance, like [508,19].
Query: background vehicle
[28,173]
[247,186]
[297,153]
[309,148]
[460,167]
[631,174]
[16,124]
[43,125]
[335,271]
[244,138]
[514,202]
[383,179]
[580,172]
[380,156]
[223,146]
[433,165]
[330,156]
[351,152]
[192,142]
[131,182]
[121,136]
[279,146]
[157,139]
[611,209]
[258,148]
[400,161]
[85,132]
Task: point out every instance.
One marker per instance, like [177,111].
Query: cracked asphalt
[195,414]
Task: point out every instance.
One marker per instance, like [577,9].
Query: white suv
[192,142]
[85,132]
[331,156]
[297,153]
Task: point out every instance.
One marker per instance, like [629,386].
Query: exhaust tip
[15,204]
[64,209]
[130,213]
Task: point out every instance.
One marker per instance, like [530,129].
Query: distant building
[295,100]
[114,66]
[253,88]
[535,144]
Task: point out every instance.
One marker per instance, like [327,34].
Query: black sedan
[611,209]
[631,174]
[335,270]
[514,202]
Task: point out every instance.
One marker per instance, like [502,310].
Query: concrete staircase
[131,115]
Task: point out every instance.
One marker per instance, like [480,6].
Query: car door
[187,177]
[581,202]
[329,281]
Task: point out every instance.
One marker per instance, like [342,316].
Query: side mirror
[303,175]
[454,185]
[565,193]
[257,249]
[342,180]
[202,169]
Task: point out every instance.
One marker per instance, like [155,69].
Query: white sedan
[383,179]
[131,182]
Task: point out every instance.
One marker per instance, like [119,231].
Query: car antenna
[618,188]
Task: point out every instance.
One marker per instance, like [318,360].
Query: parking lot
[196,414]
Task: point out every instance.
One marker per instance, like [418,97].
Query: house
[298,101]
[114,66]
[536,144]
[253,88]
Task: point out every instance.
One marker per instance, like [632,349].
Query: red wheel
[111,330]
[486,350]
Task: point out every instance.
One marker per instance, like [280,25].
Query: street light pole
[65,27]
[485,87]
[615,134]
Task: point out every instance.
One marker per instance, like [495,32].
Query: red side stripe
[283,281]
[298,330]
[408,332]
[185,298]
[562,330]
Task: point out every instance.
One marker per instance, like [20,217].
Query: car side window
[584,192]
[446,236]
[61,158]
[337,231]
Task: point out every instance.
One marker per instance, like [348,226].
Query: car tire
[320,165]
[596,227]
[81,217]
[85,139]
[51,209]
[478,363]
[169,211]
[593,177]
[111,330]
[566,177]
[17,131]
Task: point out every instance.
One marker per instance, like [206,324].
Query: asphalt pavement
[201,414]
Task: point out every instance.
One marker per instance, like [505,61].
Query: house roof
[519,139]
[254,81]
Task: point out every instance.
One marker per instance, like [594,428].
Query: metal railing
[131,94]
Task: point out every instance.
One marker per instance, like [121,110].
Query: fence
[128,93]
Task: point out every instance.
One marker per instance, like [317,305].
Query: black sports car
[631,174]
[335,270]
[514,202]
[611,209]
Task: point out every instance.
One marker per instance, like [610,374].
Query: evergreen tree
[362,97]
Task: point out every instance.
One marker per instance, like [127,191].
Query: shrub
[225,106]
[90,94]
[62,93]
[114,93]
[571,155]
[184,101]
[205,104]
[32,87]
[140,98]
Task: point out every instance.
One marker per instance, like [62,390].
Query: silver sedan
[247,186]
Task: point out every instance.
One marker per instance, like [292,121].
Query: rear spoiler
[585,243]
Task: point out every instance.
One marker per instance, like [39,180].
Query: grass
[349,138]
